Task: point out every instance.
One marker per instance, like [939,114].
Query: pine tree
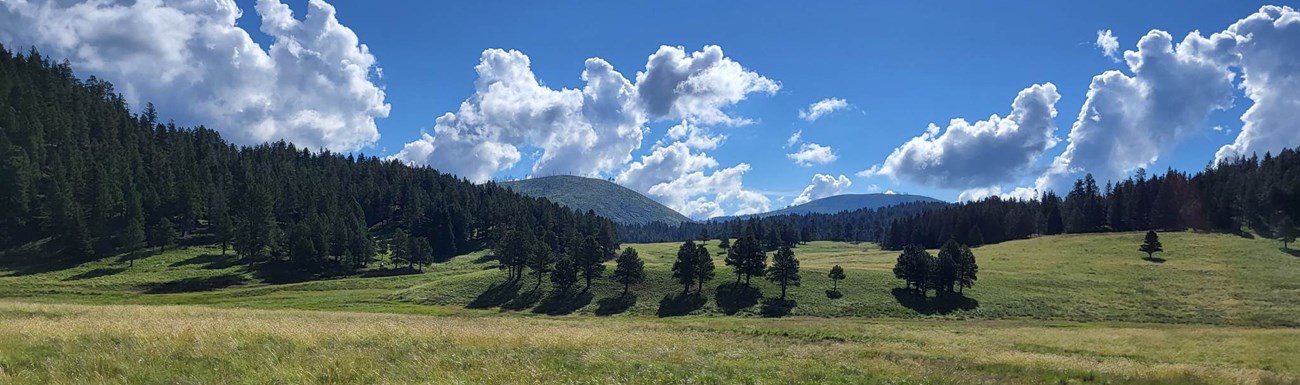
[540,260]
[1286,231]
[747,258]
[400,248]
[836,274]
[967,269]
[1151,244]
[684,269]
[703,267]
[565,273]
[629,269]
[784,269]
[946,271]
[724,243]
[421,252]
[223,228]
[162,234]
[915,266]
[591,260]
[133,236]
[254,233]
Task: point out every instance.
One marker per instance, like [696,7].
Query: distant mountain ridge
[845,202]
[607,199]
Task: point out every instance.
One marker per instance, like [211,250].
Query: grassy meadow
[1061,309]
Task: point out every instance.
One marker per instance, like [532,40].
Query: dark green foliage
[945,270]
[836,274]
[686,266]
[746,258]
[1285,231]
[967,269]
[915,267]
[724,243]
[1151,244]
[590,260]
[565,273]
[421,252]
[399,247]
[629,269]
[784,270]
[162,233]
[80,169]
[703,267]
[540,260]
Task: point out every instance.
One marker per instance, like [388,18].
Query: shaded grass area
[123,344]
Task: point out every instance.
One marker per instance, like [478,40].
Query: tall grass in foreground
[76,344]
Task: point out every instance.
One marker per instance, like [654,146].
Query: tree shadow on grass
[776,307]
[35,259]
[680,304]
[390,272]
[615,305]
[732,298]
[942,304]
[562,302]
[100,272]
[496,295]
[189,285]
[1291,252]
[834,294]
[1154,260]
[524,300]
[209,261]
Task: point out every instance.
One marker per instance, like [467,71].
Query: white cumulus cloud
[822,186]
[1127,121]
[697,86]
[1108,44]
[312,87]
[812,153]
[1268,43]
[822,108]
[987,152]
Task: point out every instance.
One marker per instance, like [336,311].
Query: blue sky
[900,66]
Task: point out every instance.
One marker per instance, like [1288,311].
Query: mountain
[607,199]
[848,202]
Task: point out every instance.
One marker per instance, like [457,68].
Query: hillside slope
[847,202]
[607,199]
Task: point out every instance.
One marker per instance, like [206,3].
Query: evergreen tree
[254,232]
[724,243]
[784,270]
[1151,244]
[703,267]
[162,233]
[975,237]
[747,258]
[629,269]
[540,260]
[915,266]
[946,271]
[133,235]
[421,252]
[565,273]
[836,274]
[223,228]
[591,260]
[1286,231]
[512,251]
[685,268]
[967,269]
[399,248]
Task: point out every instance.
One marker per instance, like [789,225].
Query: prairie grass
[125,344]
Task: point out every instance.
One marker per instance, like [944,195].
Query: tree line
[1234,196]
[86,178]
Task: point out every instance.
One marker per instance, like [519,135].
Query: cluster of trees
[566,259]
[953,270]
[1260,194]
[747,258]
[84,172]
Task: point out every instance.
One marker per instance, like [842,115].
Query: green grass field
[1061,309]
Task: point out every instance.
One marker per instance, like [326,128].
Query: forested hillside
[1260,195]
[86,178]
[607,199]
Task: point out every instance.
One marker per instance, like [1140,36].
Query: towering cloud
[980,154]
[1268,43]
[313,86]
[822,186]
[1127,121]
[593,130]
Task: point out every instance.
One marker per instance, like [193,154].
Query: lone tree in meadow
[162,234]
[1286,231]
[784,269]
[1151,244]
[724,243]
[685,266]
[837,273]
[629,269]
[703,267]
[915,266]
